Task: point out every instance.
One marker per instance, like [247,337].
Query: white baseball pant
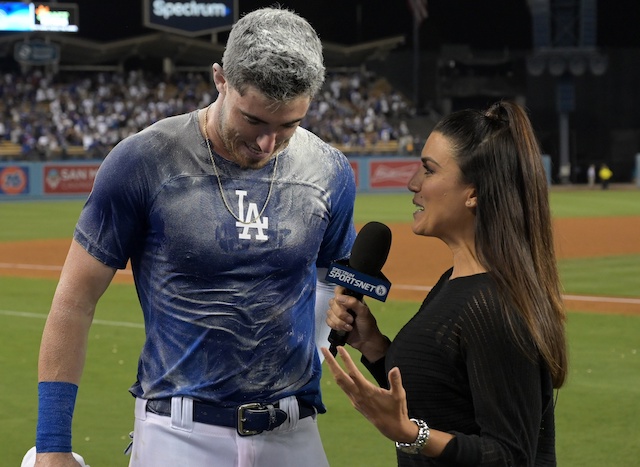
[163,441]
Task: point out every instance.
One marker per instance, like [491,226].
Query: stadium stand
[70,115]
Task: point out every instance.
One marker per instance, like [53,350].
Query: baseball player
[226,215]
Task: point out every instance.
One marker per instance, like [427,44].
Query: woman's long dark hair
[499,155]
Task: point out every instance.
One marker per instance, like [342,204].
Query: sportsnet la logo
[250,219]
[357,281]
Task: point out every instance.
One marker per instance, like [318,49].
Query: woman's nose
[413,184]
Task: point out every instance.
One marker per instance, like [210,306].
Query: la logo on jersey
[250,219]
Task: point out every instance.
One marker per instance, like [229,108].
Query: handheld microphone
[362,274]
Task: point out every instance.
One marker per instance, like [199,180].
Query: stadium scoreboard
[38,16]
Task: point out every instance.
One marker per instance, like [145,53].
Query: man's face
[252,128]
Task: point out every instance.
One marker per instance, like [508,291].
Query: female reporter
[469,380]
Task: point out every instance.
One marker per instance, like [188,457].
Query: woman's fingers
[344,381]
[352,370]
[395,384]
[338,317]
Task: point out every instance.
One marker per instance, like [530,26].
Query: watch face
[409,449]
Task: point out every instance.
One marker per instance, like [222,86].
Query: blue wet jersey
[228,300]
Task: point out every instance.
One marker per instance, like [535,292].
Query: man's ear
[218,78]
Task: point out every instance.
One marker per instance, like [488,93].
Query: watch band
[417,446]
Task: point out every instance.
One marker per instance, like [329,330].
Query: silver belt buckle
[241,419]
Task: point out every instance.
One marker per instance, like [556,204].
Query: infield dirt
[415,263]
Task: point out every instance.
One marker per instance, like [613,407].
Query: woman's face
[445,205]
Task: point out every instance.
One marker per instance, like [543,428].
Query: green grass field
[597,411]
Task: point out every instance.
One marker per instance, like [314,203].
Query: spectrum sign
[191,17]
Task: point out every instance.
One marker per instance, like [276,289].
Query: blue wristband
[56,401]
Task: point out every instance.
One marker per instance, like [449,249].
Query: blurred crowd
[52,116]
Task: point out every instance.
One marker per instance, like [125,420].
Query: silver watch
[417,446]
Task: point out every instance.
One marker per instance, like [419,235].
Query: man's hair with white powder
[276,51]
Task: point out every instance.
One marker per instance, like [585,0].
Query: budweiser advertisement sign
[391,174]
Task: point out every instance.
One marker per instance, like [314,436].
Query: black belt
[249,419]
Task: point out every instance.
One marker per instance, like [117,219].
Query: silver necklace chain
[215,169]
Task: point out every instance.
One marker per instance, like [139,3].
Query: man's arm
[64,345]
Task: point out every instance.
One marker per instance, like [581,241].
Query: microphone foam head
[371,248]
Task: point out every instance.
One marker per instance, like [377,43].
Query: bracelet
[56,401]
[420,442]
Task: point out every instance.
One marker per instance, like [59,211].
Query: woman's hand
[348,314]
[385,409]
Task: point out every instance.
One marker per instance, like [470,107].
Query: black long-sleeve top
[465,374]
